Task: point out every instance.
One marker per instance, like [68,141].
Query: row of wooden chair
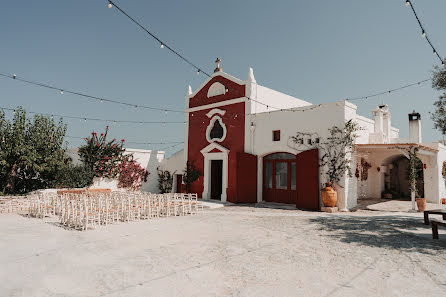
[88,210]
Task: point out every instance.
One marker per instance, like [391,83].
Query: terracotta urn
[421,204]
[329,196]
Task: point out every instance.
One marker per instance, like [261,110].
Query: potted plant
[336,159]
[414,171]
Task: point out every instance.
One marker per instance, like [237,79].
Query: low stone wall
[10,204]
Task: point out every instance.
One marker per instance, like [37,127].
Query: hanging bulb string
[423,32]
[100,99]
[93,119]
[170,147]
[389,91]
[132,142]
[259,102]
[162,43]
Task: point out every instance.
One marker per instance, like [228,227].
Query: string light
[101,99]
[97,119]
[134,142]
[389,91]
[162,44]
[110,4]
[61,92]
[423,32]
[91,97]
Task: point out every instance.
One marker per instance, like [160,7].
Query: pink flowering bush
[102,156]
[131,175]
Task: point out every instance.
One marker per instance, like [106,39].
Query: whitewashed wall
[175,164]
[316,120]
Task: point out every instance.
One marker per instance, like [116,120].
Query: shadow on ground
[402,233]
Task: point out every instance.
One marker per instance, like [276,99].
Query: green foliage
[102,156]
[74,176]
[338,150]
[165,180]
[439,115]
[31,152]
[414,170]
[190,175]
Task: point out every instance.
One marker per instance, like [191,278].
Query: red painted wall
[234,121]
[246,187]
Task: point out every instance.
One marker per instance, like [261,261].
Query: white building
[243,147]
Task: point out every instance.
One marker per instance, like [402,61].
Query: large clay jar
[329,196]
[421,204]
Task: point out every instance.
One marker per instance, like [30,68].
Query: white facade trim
[216,89]
[209,129]
[214,111]
[208,157]
[217,104]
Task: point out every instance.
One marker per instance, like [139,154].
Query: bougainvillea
[102,156]
[365,169]
[131,175]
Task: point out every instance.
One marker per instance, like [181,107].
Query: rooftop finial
[218,65]
[251,77]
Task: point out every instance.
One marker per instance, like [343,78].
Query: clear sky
[317,51]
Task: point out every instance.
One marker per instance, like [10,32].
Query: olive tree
[439,115]
[31,152]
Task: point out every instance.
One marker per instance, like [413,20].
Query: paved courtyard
[230,251]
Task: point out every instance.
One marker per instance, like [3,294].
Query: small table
[434,211]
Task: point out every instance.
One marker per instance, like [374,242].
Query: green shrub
[74,176]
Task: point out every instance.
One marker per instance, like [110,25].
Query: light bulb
[162,45]
[407,3]
[102,100]
[198,71]
[110,5]
[14,76]
[61,92]
[423,33]
[435,52]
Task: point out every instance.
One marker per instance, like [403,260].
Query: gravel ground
[230,251]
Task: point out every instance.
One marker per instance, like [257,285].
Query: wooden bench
[434,211]
[435,225]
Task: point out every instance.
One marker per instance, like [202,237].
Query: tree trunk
[12,176]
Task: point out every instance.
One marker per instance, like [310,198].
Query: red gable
[233,91]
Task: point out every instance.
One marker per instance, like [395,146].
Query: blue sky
[318,51]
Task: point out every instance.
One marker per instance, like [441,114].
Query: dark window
[276,135]
[217,130]
[280,156]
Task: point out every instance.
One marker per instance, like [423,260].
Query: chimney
[386,122]
[378,119]
[415,127]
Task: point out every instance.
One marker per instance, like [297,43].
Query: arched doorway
[279,178]
[399,178]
